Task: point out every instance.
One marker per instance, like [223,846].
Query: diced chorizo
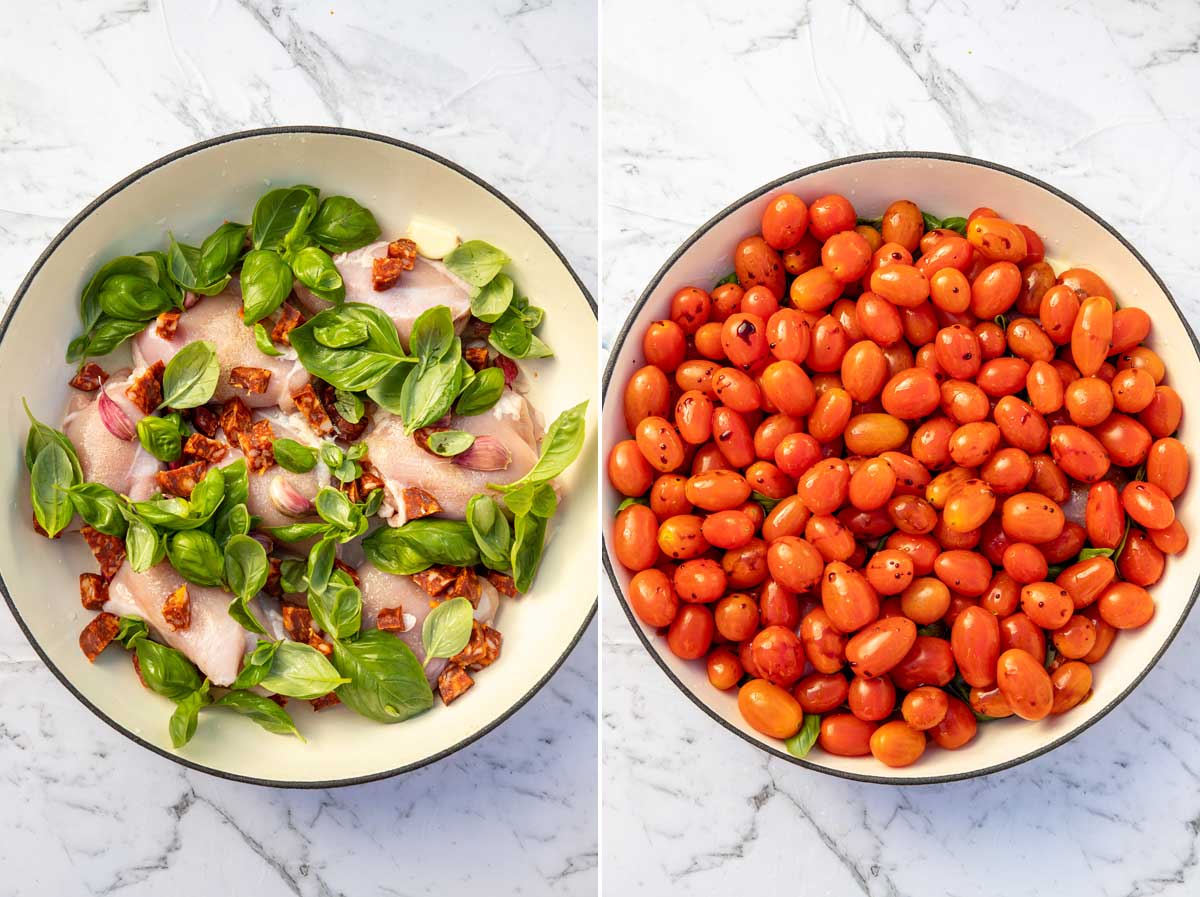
[452,682]
[465,585]
[321,645]
[394,619]
[289,319]
[482,649]
[476,357]
[344,429]
[297,622]
[108,550]
[253,380]
[502,583]
[419,503]
[182,480]
[200,448]
[436,580]
[339,564]
[93,591]
[273,586]
[166,324]
[137,668]
[312,409]
[258,445]
[405,250]
[177,609]
[206,421]
[89,378]
[235,419]
[329,700]
[385,273]
[146,390]
[98,634]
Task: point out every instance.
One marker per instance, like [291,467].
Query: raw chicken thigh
[277,495]
[426,285]
[121,465]
[218,319]
[402,463]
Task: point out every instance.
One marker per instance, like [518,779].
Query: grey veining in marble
[700,108]
[90,91]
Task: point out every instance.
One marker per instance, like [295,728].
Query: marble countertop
[91,91]
[704,107]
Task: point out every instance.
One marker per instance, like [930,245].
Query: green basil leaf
[358,367]
[220,251]
[266,283]
[528,542]
[293,456]
[297,532]
[261,710]
[49,485]
[511,336]
[386,393]
[190,378]
[374,500]
[348,405]
[256,665]
[300,671]
[386,683]
[292,577]
[186,270]
[130,630]
[342,334]
[537,348]
[476,262]
[99,507]
[331,455]
[143,546]
[231,520]
[89,300]
[104,337]
[160,436]
[419,544]
[320,564]
[1095,553]
[449,443]
[802,742]
[432,336]
[315,269]
[481,393]
[626,502]
[544,502]
[166,671]
[337,510]
[493,299]
[429,391]
[337,609]
[235,483]
[357,452]
[133,298]
[279,212]
[731,277]
[447,628]
[560,448]
[931,221]
[765,501]
[956,224]
[246,566]
[342,225]
[40,435]
[347,472]
[492,532]
[263,340]
[183,721]
[196,556]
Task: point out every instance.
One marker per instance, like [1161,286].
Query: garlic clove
[287,499]
[114,418]
[434,240]
[485,453]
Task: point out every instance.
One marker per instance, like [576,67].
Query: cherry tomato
[634,538]
[1025,684]
[845,735]
[769,709]
[652,598]
[897,744]
[756,263]
[784,221]
[821,692]
[829,215]
[875,649]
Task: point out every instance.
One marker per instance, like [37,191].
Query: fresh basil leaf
[266,283]
[544,502]
[261,710]
[1095,553]
[183,721]
[49,489]
[337,609]
[190,378]
[528,542]
[315,269]
[765,501]
[342,334]
[802,742]
[133,298]
[357,452]
[447,628]
[196,556]
[292,578]
[99,507]
[297,532]
[246,566]
[165,670]
[429,391]
[186,270]
[220,251]
[932,222]
[347,472]
[209,493]
[331,455]
[231,520]
[279,212]
[263,340]
[235,483]
[537,348]
[358,367]
[449,443]
[419,544]
[386,393]
[432,336]
[337,510]
[493,299]
[481,393]
[300,671]
[560,448]
[492,532]
[386,683]
[510,335]
[348,405]
[40,435]
[626,502]
[371,504]
[342,225]
[130,630]
[107,334]
[320,565]
[143,546]
[476,262]
[160,436]
[936,629]
[731,277]
[256,665]
[956,224]
[89,300]
[293,456]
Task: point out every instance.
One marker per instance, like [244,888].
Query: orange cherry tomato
[769,709]
[652,598]
[1072,683]
[957,728]
[784,221]
[975,641]
[634,538]
[1025,684]
[1124,605]
[778,655]
[1091,334]
[881,645]
[829,215]
[845,735]
[897,744]
[1047,604]
[924,707]
[628,470]
[997,239]
[756,263]
[821,692]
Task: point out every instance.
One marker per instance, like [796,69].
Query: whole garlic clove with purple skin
[485,453]
[287,499]
[114,418]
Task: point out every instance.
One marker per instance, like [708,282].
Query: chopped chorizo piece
[324,701]
[289,319]
[481,650]
[394,619]
[89,378]
[344,429]
[405,250]
[177,609]
[258,446]
[182,480]
[321,645]
[422,435]
[205,420]
[385,273]
[273,586]
[200,448]
[137,668]
[476,329]
[167,322]
[502,583]
[109,550]
[253,380]
[452,682]
[146,390]
[419,503]
[97,634]
[339,564]
[297,622]
[477,357]
[370,479]
[314,412]
[278,699]
[235,419]
[465,585]
[93,590]
[436,580]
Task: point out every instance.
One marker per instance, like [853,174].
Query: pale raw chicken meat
[218,319]
[121,465]
[428,284]
[402,463]
[213,641]
[380,590]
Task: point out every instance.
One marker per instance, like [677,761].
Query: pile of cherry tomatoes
[891,479]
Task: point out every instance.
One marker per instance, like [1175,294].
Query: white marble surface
[91,91]
[701,108]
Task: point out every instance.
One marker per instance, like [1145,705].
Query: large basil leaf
[266,283]
[560,447]
[447,628]
[357,367]
[386,683]
[300,671]
[196,556]
[481,393]
[802,742]
[161,436]
[166,670]
[133,298]
[492,532]
[493,299]
[315,269]
[419,544]
[89,300]
[205,270]
[100,508]
[342,225]
[187,713]
[386,393]
[280,213]
[529,540]
[246,569]
[432,335]
[49,485]
[476,262]
[429,391]
[41,435]
[190,378]
[448,443]
[235,482]
[262,710]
